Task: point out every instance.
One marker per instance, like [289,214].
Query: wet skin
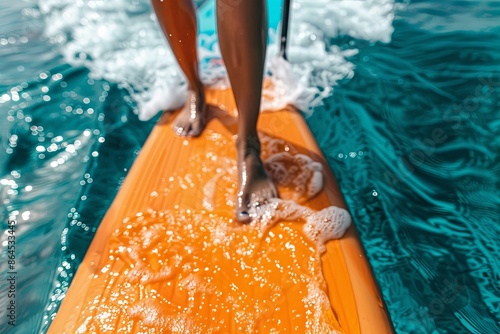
[242,28]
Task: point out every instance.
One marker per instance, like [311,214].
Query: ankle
[248,145]
[198,91]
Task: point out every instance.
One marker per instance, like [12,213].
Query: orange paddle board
[170,258]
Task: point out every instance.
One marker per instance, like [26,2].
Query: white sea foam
[327,224]
[304,175]
[119,40]
[320,226]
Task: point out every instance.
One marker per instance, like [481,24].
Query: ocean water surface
[403,98]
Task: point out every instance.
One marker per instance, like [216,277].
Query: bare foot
[255,187]
[191,119]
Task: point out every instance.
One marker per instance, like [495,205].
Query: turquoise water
[413,138]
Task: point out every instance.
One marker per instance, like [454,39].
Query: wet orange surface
[170,258]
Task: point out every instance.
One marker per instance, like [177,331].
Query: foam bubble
[327,224]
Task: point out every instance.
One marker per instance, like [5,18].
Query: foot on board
[191,119]
[255,187]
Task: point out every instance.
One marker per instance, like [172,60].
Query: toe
[242,209]
[195,130]
[268,195]
[243,217]
[259,199]
[273,192]
[180,130]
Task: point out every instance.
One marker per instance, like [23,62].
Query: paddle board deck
[169,256]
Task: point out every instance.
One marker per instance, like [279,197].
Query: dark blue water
[413,139]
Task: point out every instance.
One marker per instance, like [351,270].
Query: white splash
[320,226]
[120,41]
[304,175]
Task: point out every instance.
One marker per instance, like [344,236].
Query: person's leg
[178,21]
[242,28]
